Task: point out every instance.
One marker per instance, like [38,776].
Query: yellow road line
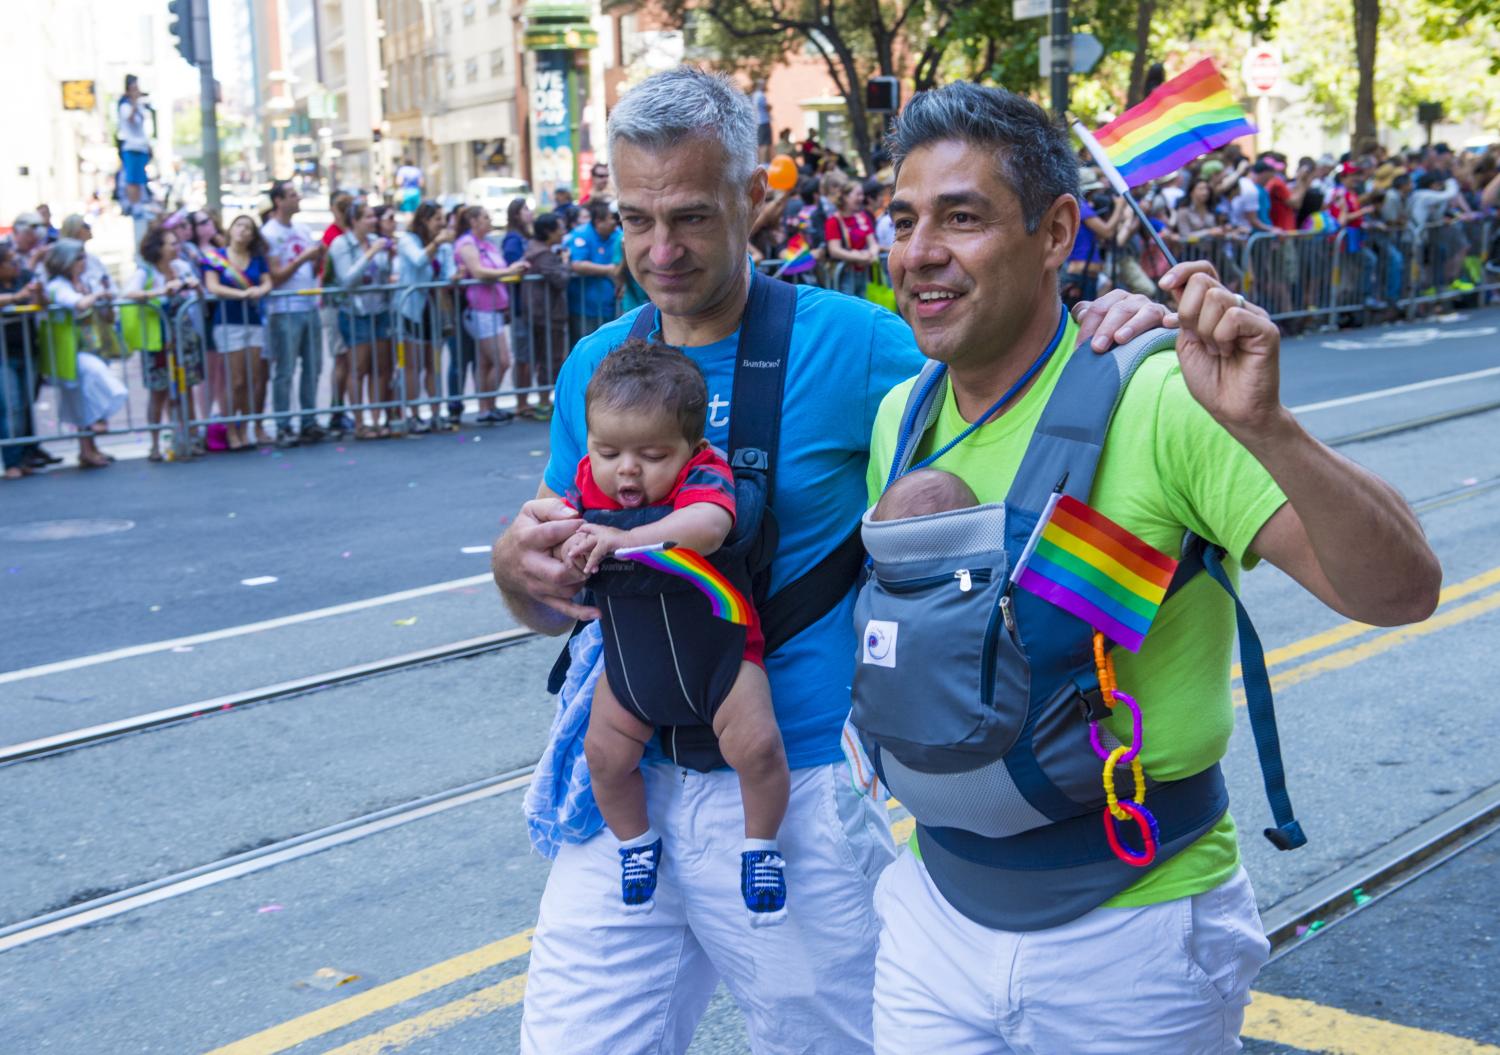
[1347,657]
[336,1016]
[424,1026]
[1315,1027]
[317,1023]
[1344,631]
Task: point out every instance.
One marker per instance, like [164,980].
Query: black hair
[599,210]
[279,189]
[543,224]
[1312,203]
[646,377]
[1032,154]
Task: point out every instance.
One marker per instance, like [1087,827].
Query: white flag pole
[1117,181]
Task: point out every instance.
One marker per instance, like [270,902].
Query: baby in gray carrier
[924,492]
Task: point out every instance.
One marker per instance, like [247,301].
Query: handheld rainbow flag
[1091,567]
[1189,115]
[796,258]
[668,557]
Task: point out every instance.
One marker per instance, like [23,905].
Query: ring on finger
[1239,300]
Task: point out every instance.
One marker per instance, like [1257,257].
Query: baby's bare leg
[751,743]
[613,746]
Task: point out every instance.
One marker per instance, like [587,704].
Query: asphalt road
[1380,732]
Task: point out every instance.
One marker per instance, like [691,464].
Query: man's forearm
[1368,543]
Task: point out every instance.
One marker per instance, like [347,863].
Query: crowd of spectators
[268,302]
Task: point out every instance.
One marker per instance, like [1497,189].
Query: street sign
[1087,51]
[1262,70]
[78,95]
[1020,10]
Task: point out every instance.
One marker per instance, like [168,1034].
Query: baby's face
[636,457]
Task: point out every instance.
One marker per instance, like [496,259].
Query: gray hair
[1033,156]
[683,103]
[65,252]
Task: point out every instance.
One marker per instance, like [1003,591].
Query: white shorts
[1171,977]
[233,338]
[482,325]
[604,981]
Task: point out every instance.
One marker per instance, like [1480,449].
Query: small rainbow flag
[1091,567]
[1189,115]
[672,559]
[796,257]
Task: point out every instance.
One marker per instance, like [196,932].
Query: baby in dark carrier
[651,477]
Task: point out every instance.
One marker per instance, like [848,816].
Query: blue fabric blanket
[560,805]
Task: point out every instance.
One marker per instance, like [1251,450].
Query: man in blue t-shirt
[682,146]
[593,249]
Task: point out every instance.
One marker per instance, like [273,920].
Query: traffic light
[882,95]
[182,28]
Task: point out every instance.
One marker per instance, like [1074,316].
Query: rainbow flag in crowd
[1091,567]
[726,602]
[1187,116]
[796,257]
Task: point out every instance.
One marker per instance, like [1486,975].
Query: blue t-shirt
[845,355]
[593,296]
[1085,242]
[237,312]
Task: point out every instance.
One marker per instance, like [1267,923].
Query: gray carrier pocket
[939,682]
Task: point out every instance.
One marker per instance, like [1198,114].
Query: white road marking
[259,580]
[236,631]
[1417,386]
[475,549]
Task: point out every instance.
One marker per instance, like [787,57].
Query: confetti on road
[1360,897]
[327,979]
[258,580]
[269,908]
[156,608]
[476,549]
[12,571]
[478,438]
[1470,481]
[408,621]
[339,450]
[233,515]
[411,485]
[536,454]
[346,554]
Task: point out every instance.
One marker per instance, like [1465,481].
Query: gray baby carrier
[974,698]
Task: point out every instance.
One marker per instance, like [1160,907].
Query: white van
[495,194]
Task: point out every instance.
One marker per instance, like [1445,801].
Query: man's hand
[526,568]
[1228,348]
[1116,318]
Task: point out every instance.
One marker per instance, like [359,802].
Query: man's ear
[1059,227]
[759,188]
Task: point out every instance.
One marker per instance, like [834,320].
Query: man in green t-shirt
[986,210]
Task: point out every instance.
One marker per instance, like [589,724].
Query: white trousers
[1167,979]
[605,981]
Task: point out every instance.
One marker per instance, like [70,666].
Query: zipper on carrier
[1002,614]
[965,577]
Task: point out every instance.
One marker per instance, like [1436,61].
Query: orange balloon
[782,173]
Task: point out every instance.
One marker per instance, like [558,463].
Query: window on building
[471,70]
[469,13]
[447,21]
[497,62]
[448,75]
[496,5]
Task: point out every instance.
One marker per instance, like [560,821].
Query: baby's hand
[598,543]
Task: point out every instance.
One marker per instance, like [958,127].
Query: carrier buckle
[749,458]
[1092,704]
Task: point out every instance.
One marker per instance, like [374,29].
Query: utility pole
[1062,59]
[208,91]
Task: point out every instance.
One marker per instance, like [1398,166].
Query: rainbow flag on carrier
[726,602]
[1187,116]
[1091,567]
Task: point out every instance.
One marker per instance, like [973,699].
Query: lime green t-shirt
[1167,467]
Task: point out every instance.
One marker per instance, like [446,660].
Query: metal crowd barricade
[1450,260]
[44,347]
[1292,274]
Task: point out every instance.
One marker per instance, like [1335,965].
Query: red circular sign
[1263,69]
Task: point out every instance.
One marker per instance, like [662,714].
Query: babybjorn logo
[880,643]
[764,364]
